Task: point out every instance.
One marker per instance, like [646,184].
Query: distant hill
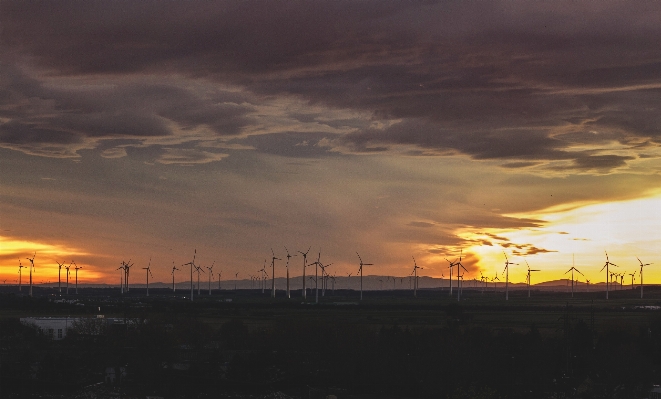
[370,283]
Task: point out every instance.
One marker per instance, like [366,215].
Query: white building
[655,392]
[54,327]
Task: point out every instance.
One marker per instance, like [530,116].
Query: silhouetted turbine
[608,263]
[641,276]
[360,269]
[507,274]
[305,256]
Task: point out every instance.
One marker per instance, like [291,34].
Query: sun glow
[625,229]
[13,251]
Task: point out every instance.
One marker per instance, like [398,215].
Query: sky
[150,131]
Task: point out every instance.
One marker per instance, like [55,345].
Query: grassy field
[431,308]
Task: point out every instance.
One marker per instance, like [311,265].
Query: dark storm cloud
[520,81]
[41,118]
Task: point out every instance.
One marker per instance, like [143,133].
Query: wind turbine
[528,276]
[59,281]
[460,284]
[173,269]
[210,274]
[121,277]
[263,271]
[507,275]
[20,273]
[31,268]
[608,263]
[68,273]
[76,269]
[633,277]
[316,277]
[587,285]
[236,277]
[572,278]
[192,265]
[612,274]
[361,274]
[324,278]
[128,273]
[460,278]
[305,256]
[495,284]
[453,264]
[414,273]
[287,266]
[148,269]
[641,276]
[273,259]
[199,270]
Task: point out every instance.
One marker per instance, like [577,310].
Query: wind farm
[367,301]
[294,288]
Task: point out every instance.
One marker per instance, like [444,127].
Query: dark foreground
[389,346]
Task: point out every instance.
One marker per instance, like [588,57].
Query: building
[655,392]
[54,327]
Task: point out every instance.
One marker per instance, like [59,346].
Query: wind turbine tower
[361,274]
[263,277]
[506,272]
[273,259]
[59,281]
[210,274]
[453,264]
[608,263]
[305,256]
[31,268]
[528,276]
[68,273]
[316,277]
[633,277]
[192,265]
[148,269]
[572,278]
[199,270]
[20,273]
[122,272]
[641,276]
[173,269]
[289,257]
[76,269]
[459,277]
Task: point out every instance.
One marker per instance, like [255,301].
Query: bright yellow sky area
[46,267]
[626,229]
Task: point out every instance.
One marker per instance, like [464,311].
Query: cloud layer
[392,122]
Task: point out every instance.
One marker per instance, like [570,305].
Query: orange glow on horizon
[13,251]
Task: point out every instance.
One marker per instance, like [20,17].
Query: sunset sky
[138,130]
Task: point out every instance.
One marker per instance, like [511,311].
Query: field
[246,343]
